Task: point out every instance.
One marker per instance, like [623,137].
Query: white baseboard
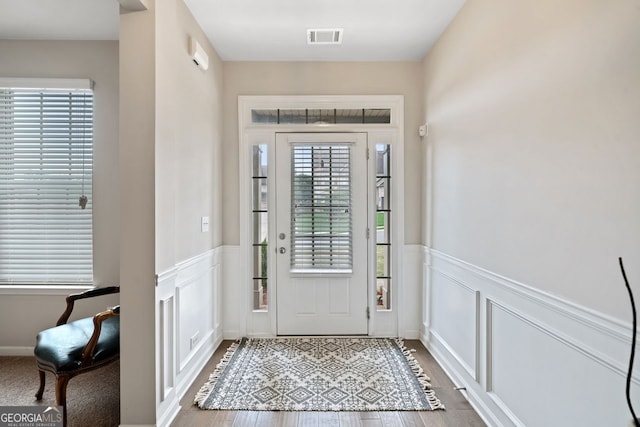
[169,414]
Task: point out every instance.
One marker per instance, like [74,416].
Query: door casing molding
[255,323]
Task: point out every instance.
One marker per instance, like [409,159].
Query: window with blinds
[46,165]
[321,235]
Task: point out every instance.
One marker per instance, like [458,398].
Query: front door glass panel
[321,221]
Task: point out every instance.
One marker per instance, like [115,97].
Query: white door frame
[255,323]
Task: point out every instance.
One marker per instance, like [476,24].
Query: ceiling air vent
[325,36]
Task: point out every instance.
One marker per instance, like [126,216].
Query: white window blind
[321,235]
[46,164]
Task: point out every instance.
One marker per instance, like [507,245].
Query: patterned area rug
[318,374]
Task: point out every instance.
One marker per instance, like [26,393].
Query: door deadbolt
[282,236]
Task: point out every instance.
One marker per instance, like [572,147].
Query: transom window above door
[306,116]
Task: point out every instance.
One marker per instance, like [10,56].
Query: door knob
[282,250]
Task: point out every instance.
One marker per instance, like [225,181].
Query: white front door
[321,246]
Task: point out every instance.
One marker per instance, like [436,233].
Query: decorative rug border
[206,389]
[422,377]
[226,359]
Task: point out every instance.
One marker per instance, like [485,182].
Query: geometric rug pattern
[318,374]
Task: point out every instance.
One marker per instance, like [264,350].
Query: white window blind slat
[321,208]
[46,164]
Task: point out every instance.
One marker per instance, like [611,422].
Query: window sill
[43,289]
[319,272]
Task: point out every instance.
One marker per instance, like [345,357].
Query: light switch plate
[204,224]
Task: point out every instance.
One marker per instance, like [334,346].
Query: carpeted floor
[93,398]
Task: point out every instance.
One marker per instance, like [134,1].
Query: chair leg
[41,389]
[61,396]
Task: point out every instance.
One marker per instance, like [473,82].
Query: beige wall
[98,61]
[170,137]
[534,133]
[323,78]
[137,217]
[188,140]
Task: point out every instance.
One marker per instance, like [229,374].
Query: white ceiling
[257,30]
[275,30]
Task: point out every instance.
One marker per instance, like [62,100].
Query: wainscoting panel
[195,321]
[531,363]
[188,327]
[408,290]
[234,294]
[454,321]
[539,360]
[167,333]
